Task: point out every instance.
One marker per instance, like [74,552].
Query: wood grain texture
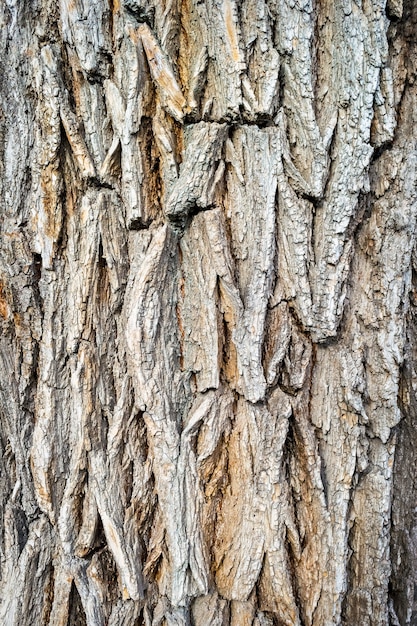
[208,313]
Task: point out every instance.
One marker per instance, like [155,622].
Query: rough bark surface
[208,301]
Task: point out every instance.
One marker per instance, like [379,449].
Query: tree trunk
[208,308]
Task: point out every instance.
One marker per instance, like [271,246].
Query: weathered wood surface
[208,312]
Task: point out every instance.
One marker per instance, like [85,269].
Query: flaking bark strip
[162,74]
[198,175]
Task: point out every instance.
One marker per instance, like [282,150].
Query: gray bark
[208,397]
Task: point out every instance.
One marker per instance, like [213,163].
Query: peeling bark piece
[84,29]
[198,175]
[238,563]
[332,243]
[83,374]
[87,534]
[384,122]
[118,513]
[76,141]
[211,413]
[295,256]
[42,452]
[277,339]
[224,46]
[117,109]
[149,322]
[46,175]
[208,418]
[297,361]
[369,520]
[225,59]
[311,515]
[150,299]
[263,513]
[133,137]
[198,78]
[127,554]
[260,85]
[52,402]
[295,24]
[193,498]
[90,109]
[90,589]
[230,301]
[275,589]
[83,249]
[332,246]
[113,238]
[339,439]
[165,139]
[31,565]
[55,95]
[162,74]
[199,312]
[251,213]
[131,161]
[166,24]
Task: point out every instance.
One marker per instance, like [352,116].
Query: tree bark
[208,349]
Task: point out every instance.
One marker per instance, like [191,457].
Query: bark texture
[208,300]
